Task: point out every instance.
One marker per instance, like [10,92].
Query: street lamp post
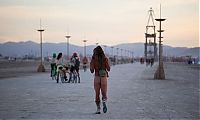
[85,47]
[121,52]
[117,55]
[125,53]
[41,66]
[160,74]
[112,51]
[68,36]
[105,49]
[132,54]
[129,54]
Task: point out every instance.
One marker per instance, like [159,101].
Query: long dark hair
[94,53]
[100,54]
[59,56]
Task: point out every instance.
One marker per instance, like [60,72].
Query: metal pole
[68,48]
[41,45]
[85,47]
[117,51]
[105,49]
[112,51]
[117,56]
[160,45]
[41,67]
[68,36]
[160,74]
[121,52]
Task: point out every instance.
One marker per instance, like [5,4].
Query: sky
[108,22]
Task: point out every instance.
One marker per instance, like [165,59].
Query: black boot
[104,106]
[98,107]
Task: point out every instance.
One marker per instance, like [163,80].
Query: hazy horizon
[93,44]
[106,22]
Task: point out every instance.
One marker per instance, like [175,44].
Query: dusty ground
[20,68]
[132,94]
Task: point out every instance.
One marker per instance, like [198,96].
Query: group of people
[149,61]
[59,68]
[99,65]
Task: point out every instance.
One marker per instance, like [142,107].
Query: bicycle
[74,77]
[63,73]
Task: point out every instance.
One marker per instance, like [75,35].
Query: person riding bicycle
[60,67]
[75,64]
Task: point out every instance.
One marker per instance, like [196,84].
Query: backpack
[102,71]
[77,62]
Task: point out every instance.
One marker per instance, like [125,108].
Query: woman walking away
[99,64]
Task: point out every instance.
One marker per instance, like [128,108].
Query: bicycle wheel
[67,77]
[73,77]
[78,78]
[61,76]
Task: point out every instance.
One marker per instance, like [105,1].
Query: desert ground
[20,68]
[132,94]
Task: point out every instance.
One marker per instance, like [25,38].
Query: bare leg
[97,85]
[104,92]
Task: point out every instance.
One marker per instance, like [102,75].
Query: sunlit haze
[107,22]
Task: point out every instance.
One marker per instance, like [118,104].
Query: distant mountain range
[19,49]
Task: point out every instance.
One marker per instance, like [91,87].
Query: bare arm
[107,65]
[92,66]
